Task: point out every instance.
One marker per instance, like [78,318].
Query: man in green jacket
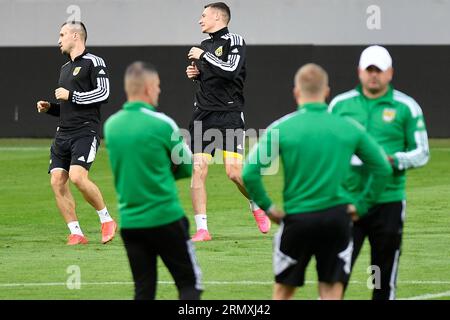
[396,122]
[147,154]
[315,148]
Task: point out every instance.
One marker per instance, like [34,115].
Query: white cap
[375,56]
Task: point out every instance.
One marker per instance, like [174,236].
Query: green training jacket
[315,148]
[396,122]
[147,154]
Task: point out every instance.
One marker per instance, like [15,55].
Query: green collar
[388,97]
[313,106]
[135,105]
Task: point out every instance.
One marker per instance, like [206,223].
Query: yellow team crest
[389,115]
[76,71]
[219,51]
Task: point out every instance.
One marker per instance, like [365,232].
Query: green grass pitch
[236,265]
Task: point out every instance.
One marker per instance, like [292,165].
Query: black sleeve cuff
[54,110]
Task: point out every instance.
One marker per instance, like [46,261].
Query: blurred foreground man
[315,148]
[147,154]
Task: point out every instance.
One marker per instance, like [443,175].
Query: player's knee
[234,175]
[331,291]
[77,179]
[58,180]
[199,170]
[283,292]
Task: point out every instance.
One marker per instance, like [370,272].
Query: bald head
[142,83]
[312,81]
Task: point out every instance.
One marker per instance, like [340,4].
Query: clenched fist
[42,106]
[192,71]
[62,94]
[195,53]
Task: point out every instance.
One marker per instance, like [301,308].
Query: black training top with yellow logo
[222,72]
[86,78]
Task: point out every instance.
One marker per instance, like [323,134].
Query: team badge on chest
[389,115]
[219,51]
[76,71]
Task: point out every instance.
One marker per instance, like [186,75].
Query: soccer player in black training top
[218,67]
[82,87]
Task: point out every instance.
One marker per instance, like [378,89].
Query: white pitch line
[429,296]
[49,284]
[441,149]
[24,148]
[424,282]
[55,284]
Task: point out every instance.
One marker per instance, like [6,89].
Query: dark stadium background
[30,74]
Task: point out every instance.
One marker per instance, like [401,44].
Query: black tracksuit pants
[172,243]
[383,226]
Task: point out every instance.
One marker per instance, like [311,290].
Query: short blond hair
[136,75]
[312,80]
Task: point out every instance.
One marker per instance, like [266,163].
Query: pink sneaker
[75,239]
[262,220]
[201,235]
[108,231]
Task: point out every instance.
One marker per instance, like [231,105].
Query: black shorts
[172,243]
[73,149]
[325,234]
[211,130]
